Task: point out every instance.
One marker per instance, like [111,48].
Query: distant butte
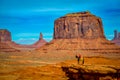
[80,31]
[7,45]
[5,38]
[116,38]
[5,35]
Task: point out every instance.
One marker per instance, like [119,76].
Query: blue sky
[25,19]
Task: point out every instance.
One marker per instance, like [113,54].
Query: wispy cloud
[33,34]
[26,41]
[27,34]
[110,37]
[23,40]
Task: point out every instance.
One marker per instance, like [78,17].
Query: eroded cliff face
[5,35]
[78,25]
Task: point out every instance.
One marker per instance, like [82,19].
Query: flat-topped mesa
[81,25]
[86,13]
[5,35]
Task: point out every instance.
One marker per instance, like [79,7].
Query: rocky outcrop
[116,38]
[5,38]
[4,47]
[5,35]
[78,25]
[7,45]
[82,32]
[40,42]
[92,72]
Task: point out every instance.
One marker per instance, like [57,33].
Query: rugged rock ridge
[116,38]
[5,35]
[78,25]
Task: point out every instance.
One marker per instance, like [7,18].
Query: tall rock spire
[41,36]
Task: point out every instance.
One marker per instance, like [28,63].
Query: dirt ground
[47,66]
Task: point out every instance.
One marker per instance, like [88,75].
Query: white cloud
[32,34]
[26,41]
[110,37]
[30,38]
[26,34]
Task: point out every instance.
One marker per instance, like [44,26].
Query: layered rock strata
[80,31]
[78,25]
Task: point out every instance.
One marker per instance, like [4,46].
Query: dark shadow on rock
[81,74]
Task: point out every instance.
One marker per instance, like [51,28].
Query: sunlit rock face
[82,25]
[5,35]
[82,32]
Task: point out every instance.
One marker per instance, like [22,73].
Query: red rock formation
[116,38]
[78,25]
[37,44]
[4,47]
[40,42]
[80,31]
[5,38]
[5,35]
[7,45]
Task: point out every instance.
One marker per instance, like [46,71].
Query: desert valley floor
[49,66]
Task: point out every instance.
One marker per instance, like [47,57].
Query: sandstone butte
[116,38]
[7,45]
[5,36]
[80,31]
